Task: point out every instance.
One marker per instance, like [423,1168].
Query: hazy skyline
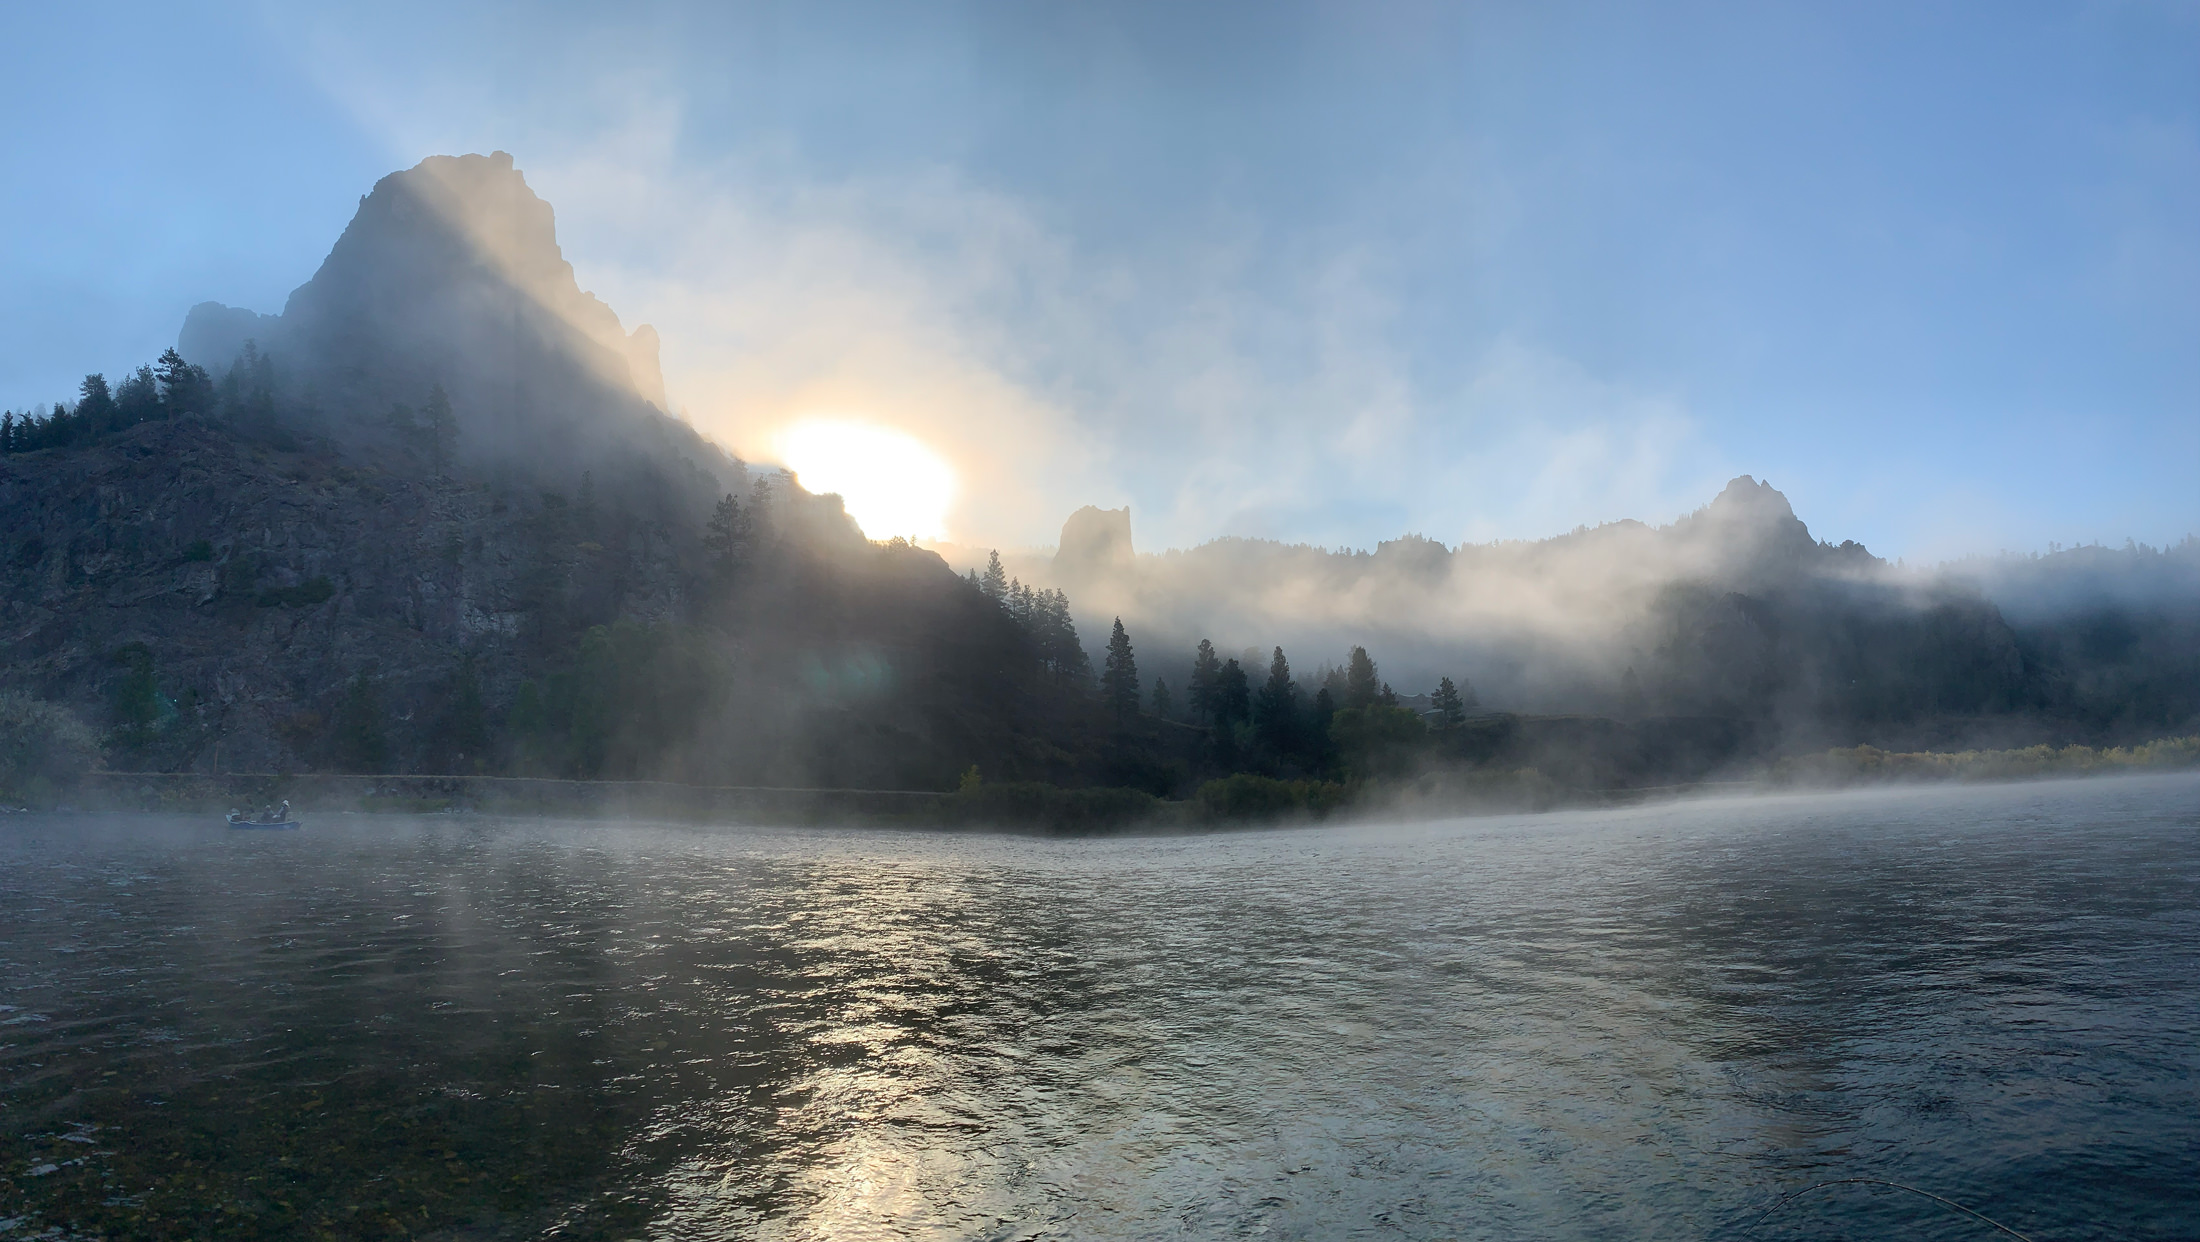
[1318,273]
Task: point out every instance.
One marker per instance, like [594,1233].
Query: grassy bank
[1868,765]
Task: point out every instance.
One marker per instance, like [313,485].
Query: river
[1644,1023]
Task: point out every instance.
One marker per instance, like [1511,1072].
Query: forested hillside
[434,519]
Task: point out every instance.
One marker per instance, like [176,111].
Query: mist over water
[1646,1023]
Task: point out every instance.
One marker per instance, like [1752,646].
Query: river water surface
[1648,1023]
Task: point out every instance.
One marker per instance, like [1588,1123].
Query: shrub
[198,550]
[1869,764]
[1249,797]
[1378,740]
[135,697]
[43,747]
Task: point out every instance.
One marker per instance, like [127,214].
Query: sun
[891,483]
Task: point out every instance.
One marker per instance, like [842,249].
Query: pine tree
[138,397]
[1332,680]
[7,433]
[185,388]
[247,393]
[1325,706]
[60,428]
[1360,681]
[1075,667]
[1164,706]
[1119,680]
[1045,616]
[172,369]
[1387,696]
[1451,711]
[1205,669]
[726,539]
[1276,710]
[1233,695]
[96,405]
[442,430]
[995,581]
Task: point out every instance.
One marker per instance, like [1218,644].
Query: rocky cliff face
[299,565]
[250,567]
[1094,559]
[451,274]
[257,583]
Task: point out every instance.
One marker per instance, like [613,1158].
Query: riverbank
[1869,765]
[1238,801]
[1235,802]
[505,795]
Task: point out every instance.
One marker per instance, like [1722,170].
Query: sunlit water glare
[1639,1024]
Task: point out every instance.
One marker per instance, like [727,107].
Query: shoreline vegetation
[1869,765]
[1242,800]
[327,541]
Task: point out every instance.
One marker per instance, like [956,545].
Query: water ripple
[1641,1024]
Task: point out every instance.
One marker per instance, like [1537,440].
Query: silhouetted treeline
[455,530]
[759,639]
[171,389]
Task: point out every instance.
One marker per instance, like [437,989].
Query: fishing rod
[1874,1181]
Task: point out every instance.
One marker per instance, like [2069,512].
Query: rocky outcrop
[257,583]
[451,275]
[1096,543]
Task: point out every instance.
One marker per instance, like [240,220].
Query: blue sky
[1323,273]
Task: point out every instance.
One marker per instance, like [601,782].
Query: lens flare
[891,482]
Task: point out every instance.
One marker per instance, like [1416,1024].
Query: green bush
[135,696]
[44,748]
[1869,764]
[1378,740]
[198,550]
[1249,797]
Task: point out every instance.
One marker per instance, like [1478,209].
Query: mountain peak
[1746,497]
[450,273]
[1748,522]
